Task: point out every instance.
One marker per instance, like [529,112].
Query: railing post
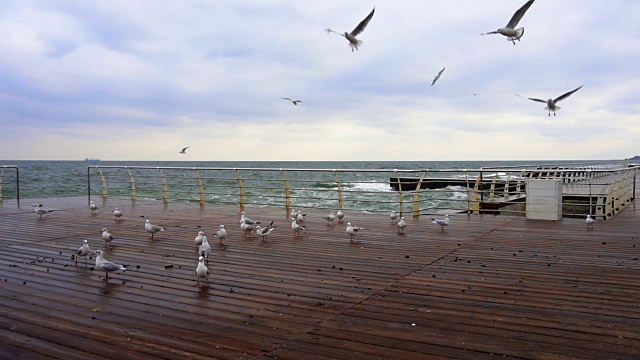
[17,185]
[88,184]
[287,194]
[416,196]
[200,186]
[400,192]
[165,187]
[241,186]
[466,178]
[133,185]
[339,190]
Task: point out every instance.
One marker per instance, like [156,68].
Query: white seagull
[351,37]
[437,77]
[107,237]
[294,102]
[589,221]
[93,207]
[263,232]
[40,210]
[330,218]
[117,213]
[221,234]
[353,231]
[198,239]
[510,31]
[106,265]
[83,250]
[150,228]
[201,271]
[340,216]
[205,248]
[296,227]
[183,151]
[401,225]
[551,103]
[393,216]
[441,222]
[247,228]
[246,220]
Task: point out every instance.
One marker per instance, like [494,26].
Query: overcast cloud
[139,80]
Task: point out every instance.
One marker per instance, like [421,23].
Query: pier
[486,287]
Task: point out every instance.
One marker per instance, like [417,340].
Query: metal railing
[3,183]
[597,190]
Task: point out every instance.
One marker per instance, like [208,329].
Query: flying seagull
[510,31]
[437,77]
[294,102]
[183,151]
[551,103]
[351,37]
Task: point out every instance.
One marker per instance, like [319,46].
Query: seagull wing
[363,24]
[538,100]
[437,77]
[109,266]
[185,149]
[519,14]
[287,99]
[566,95]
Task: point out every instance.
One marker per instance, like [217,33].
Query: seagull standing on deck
[330,218]
[401,225]
[117,213]
[294,102]
[183,151]
[205,248]
[296,227]
[107,237]
[551,103]
[351,36]
[83,250]
[441,222]
[263,232]
[221,234]
[247,228]
[40,210]
[353,231]
[437,77]
[393,216]
[510,31]
[340,216]
[93,207]
[150,228]
[246,220]
[198,239]
[589,221]
[106,265]
[201,271]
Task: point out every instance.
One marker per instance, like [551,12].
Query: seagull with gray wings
[510,31]
[294,102]
[437,77]
[106,265]
[552,103]
[351,36]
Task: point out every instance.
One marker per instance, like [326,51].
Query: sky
[141,79]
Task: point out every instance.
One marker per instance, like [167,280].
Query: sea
[364,188]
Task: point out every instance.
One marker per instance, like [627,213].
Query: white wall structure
[544,199]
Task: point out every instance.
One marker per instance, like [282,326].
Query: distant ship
[91,159]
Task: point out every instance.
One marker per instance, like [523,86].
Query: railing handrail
[17,169]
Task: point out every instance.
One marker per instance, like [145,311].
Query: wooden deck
[488,287]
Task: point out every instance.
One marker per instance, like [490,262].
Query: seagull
[106,265]
[117,213]
[437,77]
[589,221]
[340,216]
[83,250]
[393,216]
[401,225]
[296,227]
[510,31]
[247,228]
[183,151]
[245,219]
[330,218]
[93,207]
[198,239]
[221,234]
[353,231]
[300,217]
[107,237]
[351,37]
[201,271]
[294,102]
[40,210]
[265,231]
[551,103]
[205,248]
[153,228]
[442,222]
